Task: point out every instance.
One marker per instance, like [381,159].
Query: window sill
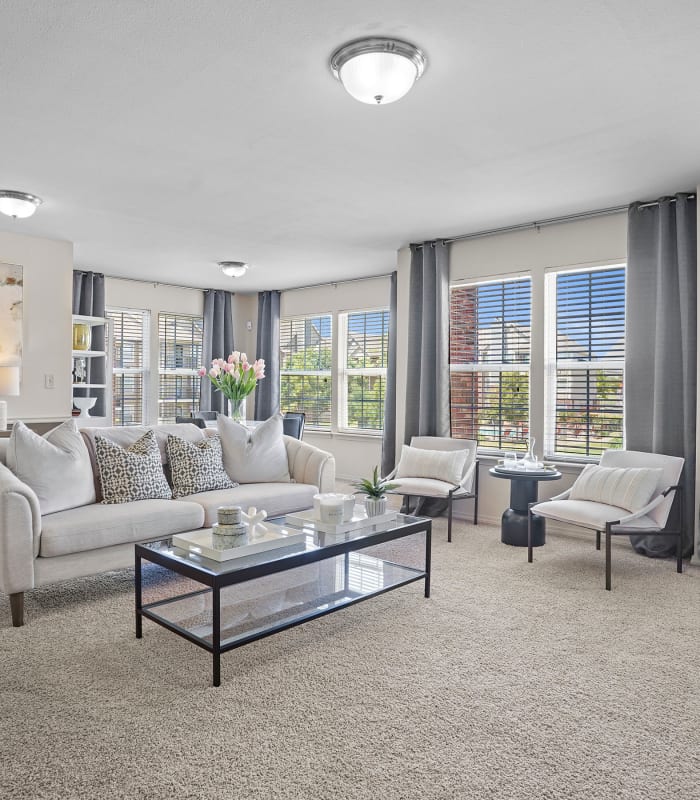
[353,435]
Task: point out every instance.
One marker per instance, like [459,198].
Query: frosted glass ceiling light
[18,204]
[234,269]
[378,70]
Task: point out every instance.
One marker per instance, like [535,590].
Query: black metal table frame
[218,581]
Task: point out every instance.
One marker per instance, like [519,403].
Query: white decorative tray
[205,543]
[359,520]
[546,470]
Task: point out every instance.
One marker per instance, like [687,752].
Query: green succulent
[374,486]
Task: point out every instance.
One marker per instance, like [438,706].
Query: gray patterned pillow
[131,473]
[196,466]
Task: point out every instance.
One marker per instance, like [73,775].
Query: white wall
[157,298]
[46,325]
[590,242]
[355,454]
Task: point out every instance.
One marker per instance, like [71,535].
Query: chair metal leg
[476,494]
[608,555]
[679,553]
[597,540]
[449,517]
[529,534]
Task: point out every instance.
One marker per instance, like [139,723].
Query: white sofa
[36,550]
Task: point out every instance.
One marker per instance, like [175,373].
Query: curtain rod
[293,289]
[155,283]
[601,212]
[335,283]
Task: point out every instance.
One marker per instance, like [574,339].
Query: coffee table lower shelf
[246,602]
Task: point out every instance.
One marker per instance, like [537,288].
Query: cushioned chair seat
[89,527]
[588,514]
[425,487]
[275,498]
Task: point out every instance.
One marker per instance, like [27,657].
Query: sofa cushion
[196,466]
[132,473]
[258,456]
[56,466]
[94,526]
[274,498]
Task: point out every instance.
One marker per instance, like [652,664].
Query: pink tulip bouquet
[235,378]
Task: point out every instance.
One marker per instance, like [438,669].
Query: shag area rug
[512,681]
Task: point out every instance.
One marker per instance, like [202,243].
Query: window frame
[501,367]
[303,373]
[144,371]
[178,371]
[552,366]
[345,372]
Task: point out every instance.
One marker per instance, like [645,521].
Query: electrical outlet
[48,381]
[249,325]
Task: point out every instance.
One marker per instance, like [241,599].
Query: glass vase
[237,410]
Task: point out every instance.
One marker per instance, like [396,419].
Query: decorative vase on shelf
[237,410]
[82,336]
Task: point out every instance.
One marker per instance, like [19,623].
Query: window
[490,363]
[365,348]
[128,338]
[305,368]
[180,339]
[585,361]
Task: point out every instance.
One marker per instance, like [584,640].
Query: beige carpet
[511,681]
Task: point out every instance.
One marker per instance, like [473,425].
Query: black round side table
[523,491]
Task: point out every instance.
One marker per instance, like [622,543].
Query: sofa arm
[20,529]
[309,464]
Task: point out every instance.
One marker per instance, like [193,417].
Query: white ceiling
[167,135]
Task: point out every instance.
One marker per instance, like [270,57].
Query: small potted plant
[374,488]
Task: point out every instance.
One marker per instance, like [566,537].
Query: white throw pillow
[630,488]
[441,465]
[257,456]
[56,466]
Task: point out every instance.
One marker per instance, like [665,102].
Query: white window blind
[180,343]
[585,361]
[365,356]
[128,335]
[490,363]
[305,367]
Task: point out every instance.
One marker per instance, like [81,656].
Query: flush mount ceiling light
[234,269]
[378,70]
[18,204]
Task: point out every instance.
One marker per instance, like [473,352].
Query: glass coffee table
[225,604]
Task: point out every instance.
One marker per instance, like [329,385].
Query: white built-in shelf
[88,353]
[85,320]
[89,385]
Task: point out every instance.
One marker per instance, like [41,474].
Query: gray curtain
[89,300]
[427,378]
[427,375]
[267,392]
[218,343]
[660,359]
[389,434]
